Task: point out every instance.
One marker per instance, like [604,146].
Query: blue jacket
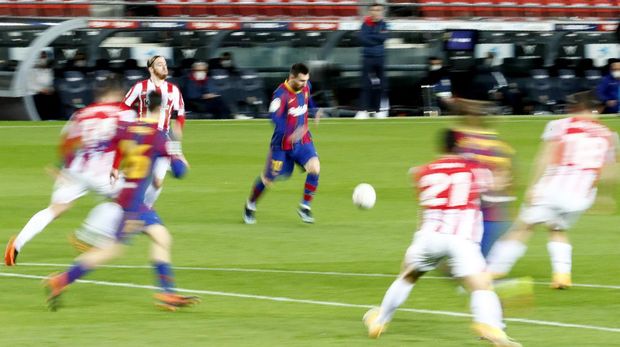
[609,89]
[194,89]
[372,36]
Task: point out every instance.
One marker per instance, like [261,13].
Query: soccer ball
[364,196]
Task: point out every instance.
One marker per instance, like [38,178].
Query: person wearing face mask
[438,76]
[201,95]
[608,90]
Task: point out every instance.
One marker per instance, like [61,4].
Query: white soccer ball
[364,196]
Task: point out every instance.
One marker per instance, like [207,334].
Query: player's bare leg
[313,169]
[487,310]
[507,250]
[377,319]
[35,225]
[160,255]
[560,251]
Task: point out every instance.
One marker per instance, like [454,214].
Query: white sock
[561,259]
[504,255]
[394,297]
[486,308]
[35,225]
[151,195]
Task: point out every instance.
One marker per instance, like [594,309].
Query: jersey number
[137,164]
[458,184]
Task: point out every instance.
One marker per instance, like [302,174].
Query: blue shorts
[136,222]
[280,163]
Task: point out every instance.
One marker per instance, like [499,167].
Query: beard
[160,75]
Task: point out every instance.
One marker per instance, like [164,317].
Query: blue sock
[312,182]
[257,190]
[75,272]
[165,276]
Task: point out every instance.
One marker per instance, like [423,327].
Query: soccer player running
[86,157]
[138,146]
[172,107]
[291,142]
[449,193]
[575,153]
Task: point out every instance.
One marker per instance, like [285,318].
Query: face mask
[200,75]
[226,63]
[80,63]
[435,67]
[616,74]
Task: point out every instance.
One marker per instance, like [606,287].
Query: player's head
[153,104]
[298,76]
[584,103]
[110,89]
[448,141]
[375,11]
[157,67]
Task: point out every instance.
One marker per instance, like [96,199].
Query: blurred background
[509,56]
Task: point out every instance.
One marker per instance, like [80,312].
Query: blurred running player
[86,156]
[449,193]
[138,146]
[291,142]
[575,152]
[481,143]
[172,107]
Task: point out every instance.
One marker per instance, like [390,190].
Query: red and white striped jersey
[449,192]
[88,134]
[584,146]
[172,101]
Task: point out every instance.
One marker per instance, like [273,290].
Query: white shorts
[162,165]
[429,248]
[71,186]
[554,217]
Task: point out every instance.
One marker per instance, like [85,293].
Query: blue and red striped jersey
[289,112]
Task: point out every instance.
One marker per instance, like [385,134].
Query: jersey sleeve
[179,107]
[277,111]
[132,95]
[553,130]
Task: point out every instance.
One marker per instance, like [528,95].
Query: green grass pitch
[223,259]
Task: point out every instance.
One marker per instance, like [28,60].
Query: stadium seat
[580,12]
[431,11]
[297,8]
[131,76]
[556,12]
[567,83]
[531,12]
[458,11]
[76,10]
[222,8]
[603,12]
[346,8]
[253,92]
[197,8]
[540,90]
[23,10]
[51,10]
[483,10]
[169,10]
[513,11]
[226,87]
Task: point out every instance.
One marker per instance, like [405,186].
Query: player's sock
[165,276]
[312,182]
[560,253]
[75,272]
[151,195]
[35,225]
[257,191]
[504,255]
[394,297]
[486,308]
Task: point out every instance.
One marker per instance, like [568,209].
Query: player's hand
[113,176]
[318,115]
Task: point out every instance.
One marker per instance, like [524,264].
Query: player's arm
[178,109]
[132,96]
[277,113]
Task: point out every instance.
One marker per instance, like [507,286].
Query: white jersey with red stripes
[584,146]
[172,101]
[449,193]
[92,129]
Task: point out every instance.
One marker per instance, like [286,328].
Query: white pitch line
[322,303]
[296,272]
